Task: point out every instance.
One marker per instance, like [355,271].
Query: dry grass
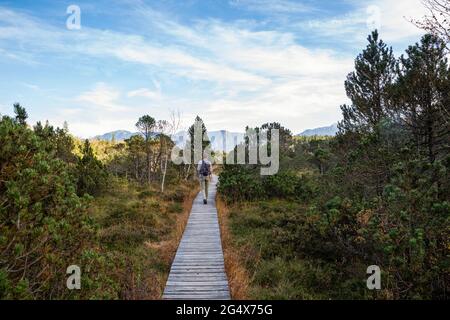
[140,230]
[168,247]
[238,277]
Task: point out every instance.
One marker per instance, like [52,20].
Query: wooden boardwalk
[198,271]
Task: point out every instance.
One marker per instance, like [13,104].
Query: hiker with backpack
[204,175]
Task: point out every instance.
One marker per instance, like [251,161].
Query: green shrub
[43,223]
[92,175]
[176,194]
[145,194]
[238,183]
[175,207]
[281,185]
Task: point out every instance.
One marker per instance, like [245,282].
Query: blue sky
[233,62]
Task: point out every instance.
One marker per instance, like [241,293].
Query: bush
[176,194]
[237,183]
[44,225]
[92,175]
[282,185]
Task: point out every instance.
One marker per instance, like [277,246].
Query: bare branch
[437,21]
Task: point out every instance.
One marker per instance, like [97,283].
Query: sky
[232,62]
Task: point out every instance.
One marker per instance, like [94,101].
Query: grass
[139,231]
[261,259]
[237,274]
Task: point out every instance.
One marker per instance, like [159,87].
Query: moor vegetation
[376,194]
[115,209]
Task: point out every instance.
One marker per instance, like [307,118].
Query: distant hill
[118,135]
[220,140]
[323,131]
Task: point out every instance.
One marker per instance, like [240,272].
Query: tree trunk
[148,166]
[164,171]
[187,172]
[430,140]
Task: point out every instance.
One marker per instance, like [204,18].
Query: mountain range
[118,135]
[323,131]
[220,140]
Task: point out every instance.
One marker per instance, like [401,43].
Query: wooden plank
[198,270]
[197,288]
[202,285]
[199,292]
[198,274]
[196,279]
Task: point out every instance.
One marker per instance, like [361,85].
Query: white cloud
[39,37]
[102,97]
[3,109]
[251,75]
[396,18]
[294,103]
[85,129]
[105,108]
[304,82]
[276,54]
[185,65]
[145,93]
[392,18]
[31,86]
[256,75]
[272,6]
[22,57]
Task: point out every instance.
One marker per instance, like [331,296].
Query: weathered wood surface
[198,270]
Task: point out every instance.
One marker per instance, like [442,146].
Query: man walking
[204,172]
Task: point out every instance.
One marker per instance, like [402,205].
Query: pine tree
[91,172]
[424,96]
[285,135]
[21,114]
[136,147]
[367,87]
[198,126]
[146,126]
[59,141]
[43,223]
[360,144]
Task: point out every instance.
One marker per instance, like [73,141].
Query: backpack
[205,169]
